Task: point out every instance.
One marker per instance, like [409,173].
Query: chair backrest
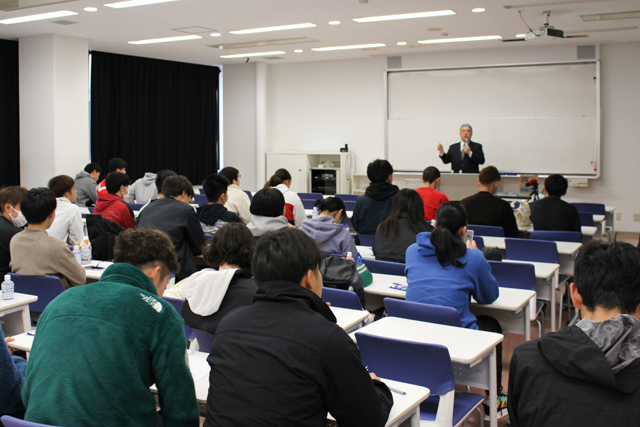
[308,203]
[347,197]
[366,239]
[341,298]
[102,234]
[200,199]
[91,208]
[10,421]
[310,196]
[594,208]
[349,205]
[479,241]
[427,365]
[514,275]
[201,190]
[557,236]
[486,230]
[205,339]
[385,267]
[586,219]
[422,312]
[178,303]
[46,288]
[136,206]
[532,250]
[249,194]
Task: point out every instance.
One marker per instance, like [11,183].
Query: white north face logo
[154,303]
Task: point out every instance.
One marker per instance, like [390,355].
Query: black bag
[102,234]
[342,274]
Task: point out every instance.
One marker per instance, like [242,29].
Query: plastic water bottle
[86,251]
[314,212]
[7,288]
[77,252]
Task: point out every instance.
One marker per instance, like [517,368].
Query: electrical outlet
[636,217]
[618,216]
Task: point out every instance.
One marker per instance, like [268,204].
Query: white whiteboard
[530,119]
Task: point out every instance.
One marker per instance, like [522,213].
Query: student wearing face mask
[11,223]
[111,206]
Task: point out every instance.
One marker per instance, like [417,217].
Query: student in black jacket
[396,233]
[376,203]
[214,215]
[283,360]
[553,213]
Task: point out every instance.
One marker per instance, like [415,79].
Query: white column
[261,122]
[54,107]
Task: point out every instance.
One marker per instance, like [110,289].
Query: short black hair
[61,184]
[161,176]
[230,173]
[37,204]
[267,202]
[489,175]
[115,180]
[144,248]
[117,163]
[215,185]
[174,186]
[232,244]
[608,276]
[93,167]
[287,254]
[556,185]
[379,171]
[430,174]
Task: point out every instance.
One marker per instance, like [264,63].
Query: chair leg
[561,306]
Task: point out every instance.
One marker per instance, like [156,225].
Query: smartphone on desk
[399,286]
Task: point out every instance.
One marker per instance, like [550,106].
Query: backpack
[102,234]
[341,273]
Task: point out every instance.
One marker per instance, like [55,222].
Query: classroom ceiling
[109,29]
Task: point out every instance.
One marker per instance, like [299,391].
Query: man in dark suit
[465,155]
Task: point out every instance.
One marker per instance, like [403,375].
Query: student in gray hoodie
[143,190]
[267,210]
[327,228]
[86,183]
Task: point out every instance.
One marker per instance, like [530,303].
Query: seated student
[11,222]
[143,190]
[115,165]
[376,203]
[294,207]
[212,293]
[238,201]
[111,205]
[267,210]
[283,360]
[12,369]
[173,215]
[429,193]
[214,215]
[87,184]
[553,213]
[396,233]
[68,226]
[587,374]
[442,271]
[486,209]
[160,177]
[327,228]
[100,347]
[34,252]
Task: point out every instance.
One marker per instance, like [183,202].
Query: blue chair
[486,230]
[177,303]
[308,203]
[310,196]
[347,197]
[46,288]
[205,339]
[479,241]
[422,312]
[557,236]
[366,239]
[200,200]
[341,298]
[384,267]
[349,205]
[201,190]
[10,421]
[518,276]
[249,194]
[427,365]
[592,208]
[586,219]
[91,208]
[136,206]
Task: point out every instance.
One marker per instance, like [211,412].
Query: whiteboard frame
[596,61]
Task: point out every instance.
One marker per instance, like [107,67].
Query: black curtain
[155,115]
[10,113]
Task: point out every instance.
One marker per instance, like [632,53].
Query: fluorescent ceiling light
[521,36]
[613,16]
[478,10]
[550,3]
[215,34]
[405,16]
[38,17]
[166,39]
[246,55]
[297,51]
[277,28]
[355,46]
[334,22]
[90,9]
[401,43]
[133,3]
[459,39]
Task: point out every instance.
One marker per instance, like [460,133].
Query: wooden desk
[23,341]
[349,320]
[14,314]
[473,353]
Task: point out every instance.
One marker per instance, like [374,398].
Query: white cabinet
[299,165]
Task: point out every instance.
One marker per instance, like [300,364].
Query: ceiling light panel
[613,16]
[405,16]
[355,46]
[8,5]
[262,43]
[247,55]
[134,3]
[460,39]
[38,17]
[276,28]
[166,39]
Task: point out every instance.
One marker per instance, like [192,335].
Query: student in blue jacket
[443,270]
[12,369]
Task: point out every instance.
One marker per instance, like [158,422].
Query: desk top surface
[347,318]
[18,301]
[96,268]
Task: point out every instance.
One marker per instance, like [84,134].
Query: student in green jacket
[99,347]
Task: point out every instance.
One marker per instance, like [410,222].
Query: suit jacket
[466,164]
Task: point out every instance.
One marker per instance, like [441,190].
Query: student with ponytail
[294,210]
[327,228]
[443,270]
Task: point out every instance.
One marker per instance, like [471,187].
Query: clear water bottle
[7,288]
[77,252]
[86,251]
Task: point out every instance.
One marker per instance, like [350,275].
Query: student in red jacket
[115,165]
[111,206]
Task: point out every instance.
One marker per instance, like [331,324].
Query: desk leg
[493,390]
[415,418]
[26,319]
[527,321]
[554,284]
